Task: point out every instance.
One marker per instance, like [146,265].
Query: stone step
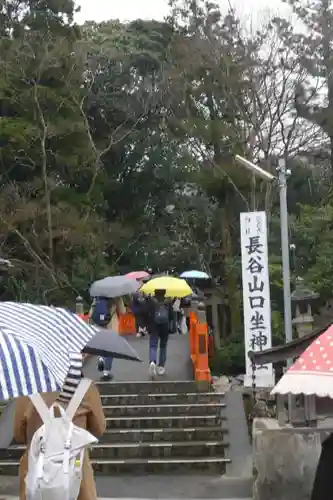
[159,386]
[151,450]
[161,398]
[195,409]
[170,421]
[179,465]
[159,434]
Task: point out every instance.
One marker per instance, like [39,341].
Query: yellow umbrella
[174,287]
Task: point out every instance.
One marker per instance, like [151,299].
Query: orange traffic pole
[127,324]
[202,370]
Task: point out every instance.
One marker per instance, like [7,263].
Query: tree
[123,110]
[313,53]
[44,225]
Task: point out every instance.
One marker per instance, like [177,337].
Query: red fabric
[138,275]
[318,357]
[85,317]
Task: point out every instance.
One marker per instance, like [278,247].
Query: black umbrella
[109,344]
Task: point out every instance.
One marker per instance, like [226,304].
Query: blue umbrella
[35,346]
[195,275]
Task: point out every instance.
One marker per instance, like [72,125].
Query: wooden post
[310,410]
[216,323]
[280,410]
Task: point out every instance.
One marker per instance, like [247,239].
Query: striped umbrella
[73,378]
[36,343]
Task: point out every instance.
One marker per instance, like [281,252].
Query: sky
[127,10]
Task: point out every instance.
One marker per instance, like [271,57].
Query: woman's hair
[73,378]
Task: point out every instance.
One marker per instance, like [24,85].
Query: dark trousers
[158,338]
[323,482]
[140,321]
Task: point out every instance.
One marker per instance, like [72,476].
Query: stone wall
[285,460]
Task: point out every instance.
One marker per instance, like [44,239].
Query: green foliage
[230,358]
[117,145]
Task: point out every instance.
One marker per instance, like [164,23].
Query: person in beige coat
[89,416]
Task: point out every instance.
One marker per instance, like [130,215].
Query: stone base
[285,461]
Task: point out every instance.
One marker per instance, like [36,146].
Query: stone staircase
[162,427]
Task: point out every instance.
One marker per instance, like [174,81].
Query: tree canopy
[117,145]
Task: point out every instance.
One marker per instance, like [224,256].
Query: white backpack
[57,449]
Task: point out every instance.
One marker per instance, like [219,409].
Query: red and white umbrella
[138,275]
[312,373]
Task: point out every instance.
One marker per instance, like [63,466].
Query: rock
[237,383]
[225,383]
[221,384]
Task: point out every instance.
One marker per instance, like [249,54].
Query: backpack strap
[41,407]
[77,397]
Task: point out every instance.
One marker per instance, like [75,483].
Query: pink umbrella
[138,275]
[312,373]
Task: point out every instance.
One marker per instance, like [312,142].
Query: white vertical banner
[256,295]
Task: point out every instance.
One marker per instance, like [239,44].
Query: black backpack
[101,315]
[161,313]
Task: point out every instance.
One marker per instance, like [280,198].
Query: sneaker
[161,370]
[107,376]
[152,369]
[100,364]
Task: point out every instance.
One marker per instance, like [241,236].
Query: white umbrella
[114,286]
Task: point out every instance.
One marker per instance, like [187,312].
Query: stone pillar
[285,461]
[79,305]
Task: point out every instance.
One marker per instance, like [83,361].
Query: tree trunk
[231,277]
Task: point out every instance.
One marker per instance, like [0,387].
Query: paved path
[159,487]
[178,366]
[112,498]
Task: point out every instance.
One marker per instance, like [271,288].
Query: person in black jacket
[159,316]
[323,483]
[138,307]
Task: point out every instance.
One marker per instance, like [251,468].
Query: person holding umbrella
[106,314]
[108,308]
[161,290]
[138,303]
[89,416]
[159,314]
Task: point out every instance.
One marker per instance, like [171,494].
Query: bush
[230,358]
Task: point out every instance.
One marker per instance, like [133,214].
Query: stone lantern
[303,408]
[303,297]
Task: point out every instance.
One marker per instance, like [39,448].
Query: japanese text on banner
[256,293]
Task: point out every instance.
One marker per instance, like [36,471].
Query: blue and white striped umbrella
[36,343]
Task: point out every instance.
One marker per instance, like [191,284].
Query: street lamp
[259,172]
[283,173]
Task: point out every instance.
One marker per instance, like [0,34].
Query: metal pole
[282,175]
